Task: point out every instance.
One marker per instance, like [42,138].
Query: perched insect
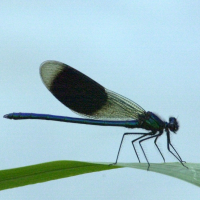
[88,98]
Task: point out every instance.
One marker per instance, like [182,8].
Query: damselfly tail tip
[7,116]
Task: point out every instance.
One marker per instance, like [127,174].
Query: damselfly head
[173,124]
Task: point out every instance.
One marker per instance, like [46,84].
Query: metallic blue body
[127,124]
[149,121]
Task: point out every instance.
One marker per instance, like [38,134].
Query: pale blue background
[147,51]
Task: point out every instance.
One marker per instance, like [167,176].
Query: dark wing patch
[71,87]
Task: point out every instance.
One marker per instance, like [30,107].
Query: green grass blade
[61,169]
